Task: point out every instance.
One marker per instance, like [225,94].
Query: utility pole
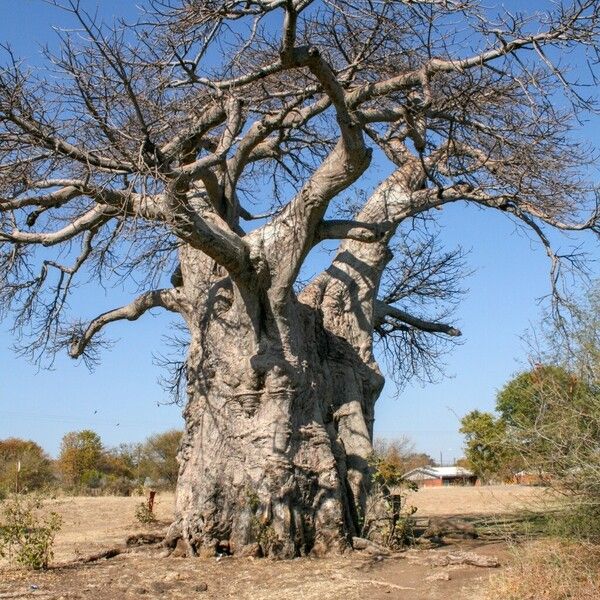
[139,458]
[17,476]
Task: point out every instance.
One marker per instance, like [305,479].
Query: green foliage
[123,461]
[85,465]
[387,519]
[143,514]
[485,445]
[36,467]
[159,458]
[252,500]
[386,472]
[497,447]
[548,423]
[27,537]
[261,531]
[521,399]
[81,457]
[118,486]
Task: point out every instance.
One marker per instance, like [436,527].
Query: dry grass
[485,500]
[93,524]
[549,570]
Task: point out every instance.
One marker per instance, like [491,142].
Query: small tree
[485,445]
[548,423]
[26,536]
[400,455]
[35,465]
[81,458]
[159,457]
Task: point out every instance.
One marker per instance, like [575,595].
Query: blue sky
[123,402]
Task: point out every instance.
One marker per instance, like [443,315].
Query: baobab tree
[151,146]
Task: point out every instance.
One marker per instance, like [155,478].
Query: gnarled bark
[278,425]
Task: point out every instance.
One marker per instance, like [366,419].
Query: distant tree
[81,458]
[159,461]
[121,469]
[464,462]
[36,466]
[523,434]
[399,455]
[485,447]
[124,461]
[562,440]
[519,402]
[118,463]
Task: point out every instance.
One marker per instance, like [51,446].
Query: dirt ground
[95,524]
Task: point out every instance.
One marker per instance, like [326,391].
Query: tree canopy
[144,137]
[81,457]
[35,465]
[485,445]
[546,425]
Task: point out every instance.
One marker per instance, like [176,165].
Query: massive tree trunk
[278,424]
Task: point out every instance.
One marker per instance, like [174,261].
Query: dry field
[489,500]
[95,524]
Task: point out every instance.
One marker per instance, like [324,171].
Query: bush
[549,570]
[577,521]
[118,486]
[387,519]
[143,514]
[26,537]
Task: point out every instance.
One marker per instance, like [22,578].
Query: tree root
[134,542]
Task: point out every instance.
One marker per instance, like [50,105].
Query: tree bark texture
[279,417]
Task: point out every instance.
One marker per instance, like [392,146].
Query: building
[441,476]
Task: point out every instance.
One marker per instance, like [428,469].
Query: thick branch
[351,230]
[187,140]
[46,200]
[170,299]
[89,220]
[383,312]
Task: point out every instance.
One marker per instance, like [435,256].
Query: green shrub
[143,514]
[388,518]
[577,521]
[117,486]
[27,537]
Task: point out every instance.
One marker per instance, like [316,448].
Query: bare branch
[386,313]
[169,299]
[352,230]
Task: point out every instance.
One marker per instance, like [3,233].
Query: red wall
[432,483]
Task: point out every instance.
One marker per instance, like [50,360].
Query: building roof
[430,472]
